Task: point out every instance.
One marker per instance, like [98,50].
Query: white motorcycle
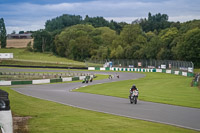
[133,97]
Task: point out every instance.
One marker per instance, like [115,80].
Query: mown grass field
[155,87]
[50,117]
[18,43]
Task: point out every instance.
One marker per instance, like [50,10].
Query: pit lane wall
[43,81]
[176,72]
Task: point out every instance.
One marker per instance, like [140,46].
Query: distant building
[20,36]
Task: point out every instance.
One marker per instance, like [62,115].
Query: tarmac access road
[184,117]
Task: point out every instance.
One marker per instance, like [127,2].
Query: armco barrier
[43,81]
[163,70]
[20,82]
[97,68]
[55,80]
[75,78]
[188,74]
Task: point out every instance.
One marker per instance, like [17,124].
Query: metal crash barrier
[6,124]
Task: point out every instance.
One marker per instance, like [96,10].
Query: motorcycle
[133,97]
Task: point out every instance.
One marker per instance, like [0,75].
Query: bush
[29,47]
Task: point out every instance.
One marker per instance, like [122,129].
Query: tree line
[154,37]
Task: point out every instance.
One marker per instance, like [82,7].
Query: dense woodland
[154,37]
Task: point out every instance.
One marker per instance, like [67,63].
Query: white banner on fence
[82,77]
[103,68]
[41,81]
[184,73]
[67,79]
[190,69]
[163,66]
[6,55]
[168,71]
[91,68]
[5,82]
[176,72]
[159,70]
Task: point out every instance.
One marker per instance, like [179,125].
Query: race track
[162,113]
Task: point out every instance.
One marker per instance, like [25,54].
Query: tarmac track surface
[162,113]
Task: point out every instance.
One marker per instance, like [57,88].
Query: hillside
[26,58]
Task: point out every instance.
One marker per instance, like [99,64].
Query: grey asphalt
[162,113]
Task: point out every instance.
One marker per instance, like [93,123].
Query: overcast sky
[24,15]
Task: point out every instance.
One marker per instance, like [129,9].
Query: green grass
[196,70]
[155,87]
[50,117]
[23,57]
[100,77]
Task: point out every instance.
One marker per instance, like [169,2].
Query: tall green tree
[61,22]
[42,41]
[131,39]
[188,48]
[155,22]
[82,41]
[3,34]
[167,37]
[75,42]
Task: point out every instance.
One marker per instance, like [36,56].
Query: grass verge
[50,117]
[155,87]
[25,58]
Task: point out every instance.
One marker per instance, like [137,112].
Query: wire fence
[164,64]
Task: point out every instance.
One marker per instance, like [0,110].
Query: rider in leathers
[133,88]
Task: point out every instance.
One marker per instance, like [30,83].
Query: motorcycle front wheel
[135,100]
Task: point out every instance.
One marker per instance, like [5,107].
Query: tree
[132,40]
[21,32]
[189,46]
[3,34]
[153,47]
[75,42]
[120,52]
[155,22]
[62,22]
[13,32]
[167,37]
[102,53]
[42,41]
[96,21]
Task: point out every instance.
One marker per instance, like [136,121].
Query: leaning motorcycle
[133,97]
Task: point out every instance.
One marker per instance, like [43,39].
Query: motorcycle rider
[133,88]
